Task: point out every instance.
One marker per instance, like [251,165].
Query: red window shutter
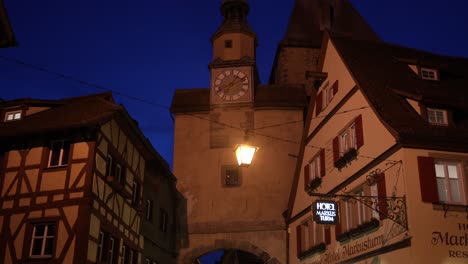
[318,104]
[306,176]
[382,193]
[327,236]
[322,162]
[428,180]
[335,87]
[299,240]
[336,149]
[341,219]
[359,131]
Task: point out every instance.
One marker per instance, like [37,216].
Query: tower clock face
[231,85]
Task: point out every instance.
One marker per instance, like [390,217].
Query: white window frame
[118,173]
[13,115]
[61,162]
[314,167]
[347,139]
[111,248]
[429,74]
[44,238]
[135,192]
[328,93]
[100,246]
[461,174]
[149,209]
[163,219]
[435,121]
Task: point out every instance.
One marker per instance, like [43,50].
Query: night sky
[148,48]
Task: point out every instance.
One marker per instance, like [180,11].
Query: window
[149,210]
[163,220]
[147,261]
[314,169]
[450,181]
[115,169]
[350,138]
[310,236]
[43,240]
[429,74]
[437,116]
[107,249]
[59,152]
[228,43]
[128,255]
[325,96]
[135,193]
[13,115]
[357,215]
[230,176]
[100,246]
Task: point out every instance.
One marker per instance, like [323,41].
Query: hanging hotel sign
[325,212]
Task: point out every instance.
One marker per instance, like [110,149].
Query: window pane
[50,229]
[39,230]
[452,171]
[37,247]
[49,246]
[66,152]
[17,116]
[455,190]
[440,172]
[55,153]
[442,189]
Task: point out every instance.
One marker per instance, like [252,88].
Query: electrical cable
[100,87]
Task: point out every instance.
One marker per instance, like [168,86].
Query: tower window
[228,43]
[332,15]
[231,176]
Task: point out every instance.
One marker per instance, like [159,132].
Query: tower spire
[235,18]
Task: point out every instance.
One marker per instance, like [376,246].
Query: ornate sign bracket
[395,211]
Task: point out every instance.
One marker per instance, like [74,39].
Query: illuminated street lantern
[245,153]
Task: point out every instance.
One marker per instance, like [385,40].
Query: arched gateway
[232,207]
[241,250]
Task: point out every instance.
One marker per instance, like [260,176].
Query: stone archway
[191,256]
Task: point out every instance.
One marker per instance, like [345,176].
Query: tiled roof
[69,114]
[64,114]
[280,96]
[381,71]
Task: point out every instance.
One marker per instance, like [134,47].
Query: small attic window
[437,117]
[228,43]
[13,115]
[429,74]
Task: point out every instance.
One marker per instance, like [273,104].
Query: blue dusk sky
[148,48]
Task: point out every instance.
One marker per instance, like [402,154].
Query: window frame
[136,190]
[44,237]
[64,151]
[429,71]
[461,173]
[445,121]
[225,182]
[163,220]
[149,210]
[348,139]
[13,114]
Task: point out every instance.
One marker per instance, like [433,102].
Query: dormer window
[429,74]
[13,115]
[437,116]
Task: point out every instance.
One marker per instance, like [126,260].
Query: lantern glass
[244,154]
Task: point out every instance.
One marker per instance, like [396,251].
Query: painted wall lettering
[453,240]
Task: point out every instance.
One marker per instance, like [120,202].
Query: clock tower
[233,71]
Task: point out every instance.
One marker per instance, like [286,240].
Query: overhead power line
[103,88]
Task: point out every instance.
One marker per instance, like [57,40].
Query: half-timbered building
[385,139]
[71,181]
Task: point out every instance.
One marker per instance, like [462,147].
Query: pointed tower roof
[310,18]
[235,18]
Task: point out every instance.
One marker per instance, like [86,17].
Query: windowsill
[313,250]
[362,229]
[450,207]
[55,168]
[438,124]
[346,159]
[39,260]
